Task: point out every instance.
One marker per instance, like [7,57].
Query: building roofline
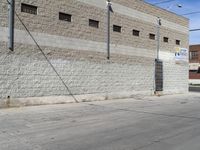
[194,45]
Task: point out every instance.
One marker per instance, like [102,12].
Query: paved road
[151,123]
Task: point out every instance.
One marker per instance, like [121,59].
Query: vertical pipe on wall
[108,29]
[158,37]
[11,24]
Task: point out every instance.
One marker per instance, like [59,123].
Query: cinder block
[78,52]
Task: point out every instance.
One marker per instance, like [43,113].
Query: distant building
[194,64]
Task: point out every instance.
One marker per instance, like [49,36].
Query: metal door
[159,75]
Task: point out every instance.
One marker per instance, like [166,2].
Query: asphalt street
[141,123]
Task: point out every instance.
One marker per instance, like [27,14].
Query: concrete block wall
[176,78]
[25,73]
[78,52]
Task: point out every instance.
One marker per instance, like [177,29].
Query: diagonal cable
[191,13]
[70,92]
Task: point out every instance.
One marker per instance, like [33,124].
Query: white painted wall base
[33,101]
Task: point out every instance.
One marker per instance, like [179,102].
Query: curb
[50,100]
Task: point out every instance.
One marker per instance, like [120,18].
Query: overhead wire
[191,13]
[163,2]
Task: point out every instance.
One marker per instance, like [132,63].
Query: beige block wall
[47,22]
[25,72]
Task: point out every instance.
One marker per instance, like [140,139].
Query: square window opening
[136,33]
[152,36]
[166,39]
[117,28]
[29,9]
[65,17]
[178,42]
[93,23]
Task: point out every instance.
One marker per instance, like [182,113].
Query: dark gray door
[159,75]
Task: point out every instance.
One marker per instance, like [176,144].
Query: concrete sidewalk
[50,100]
[143,123]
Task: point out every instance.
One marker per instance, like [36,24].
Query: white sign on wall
[194,66]
[181,55]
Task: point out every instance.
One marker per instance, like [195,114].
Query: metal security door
[159,75]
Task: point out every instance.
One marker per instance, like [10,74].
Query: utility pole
[109,9]
[11,23]
[158,85]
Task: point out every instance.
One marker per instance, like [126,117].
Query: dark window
[194,55]
[117,28]
[198,70]
[136,33]
[193,71]
[29,9]
[165,39]
[93,23]
[178,42]
[152,36]
[65,17]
